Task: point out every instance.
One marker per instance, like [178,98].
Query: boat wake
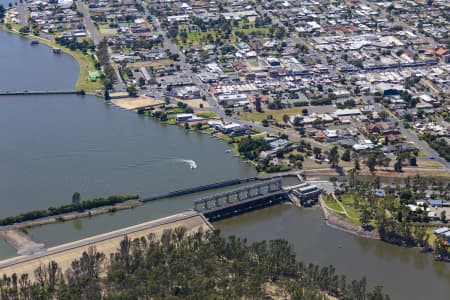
[191,163]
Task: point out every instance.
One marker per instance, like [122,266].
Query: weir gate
[241,200]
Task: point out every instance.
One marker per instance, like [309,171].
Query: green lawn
[206,114]
[277,114]
[331,203]
[201,38]
[348,203]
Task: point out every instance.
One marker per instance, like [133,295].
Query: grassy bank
[85,62]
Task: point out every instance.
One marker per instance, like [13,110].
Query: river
[53,146]
[405,273]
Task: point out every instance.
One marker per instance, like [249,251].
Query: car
[432,158]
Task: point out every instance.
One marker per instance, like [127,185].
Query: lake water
[52,146]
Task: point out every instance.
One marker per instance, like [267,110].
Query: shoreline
[335,221]
[73,54]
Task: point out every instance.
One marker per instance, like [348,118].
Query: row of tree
[76,205]
[177,266]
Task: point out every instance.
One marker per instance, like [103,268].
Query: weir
[241,200]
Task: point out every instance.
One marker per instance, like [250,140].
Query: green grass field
[348,203]
[206,114]
[277,114]
[195,38]
[331,203]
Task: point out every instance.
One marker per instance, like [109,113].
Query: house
[184,117]
[441,231]
[388,89]
[433,216]
[440,51]
[363,145]
[379,193]
[373,128]
[436,202]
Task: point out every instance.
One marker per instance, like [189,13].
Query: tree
[371,163]
[285,119]
[141,81]
[398,165]
[333,156]
[186,126]
[132,91]
[443,217]
[413,161]
[346,155]
[106,94]
[364,218]
[76,197]
[317,151]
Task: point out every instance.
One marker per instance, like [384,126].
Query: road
[88,22]
[119,85]
[412,137]
[22,14]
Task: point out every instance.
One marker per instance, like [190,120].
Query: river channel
[52,146]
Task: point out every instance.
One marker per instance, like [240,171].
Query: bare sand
[135,103]
[195,103]
[153,63]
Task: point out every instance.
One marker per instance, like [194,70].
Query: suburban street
[88,22]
